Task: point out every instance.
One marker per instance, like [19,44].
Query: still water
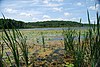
[65,28]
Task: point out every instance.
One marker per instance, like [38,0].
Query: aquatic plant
[16,43]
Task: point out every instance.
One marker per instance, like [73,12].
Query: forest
[40,24]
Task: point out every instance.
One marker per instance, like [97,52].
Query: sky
[43,10]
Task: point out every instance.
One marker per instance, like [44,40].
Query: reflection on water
[62,38]
[66,28]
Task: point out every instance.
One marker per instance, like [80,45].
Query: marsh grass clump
[74,47]
[94,43]
[16,43]
[85,51]
[43,41]
[69,39]
[1,54]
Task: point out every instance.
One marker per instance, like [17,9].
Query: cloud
[34,10]
[75,19]
[57,9]
[66,14]
[30,13]
[25,14]
[10,10]
[54,5]
[35,19]
[46,17]
[79,4]
[60,0]
[97,7]
[30,2]
[92,8]
[46,1]
[49,19]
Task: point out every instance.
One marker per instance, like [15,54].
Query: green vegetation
[16,43]
[81,49]
[55,24]
[21,24]
[85,51]
[42,24]
[10,23]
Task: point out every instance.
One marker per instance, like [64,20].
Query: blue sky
[42,10]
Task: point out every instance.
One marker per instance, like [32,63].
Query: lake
[50,34]
[65,28]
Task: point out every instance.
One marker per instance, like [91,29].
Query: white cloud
[34,19]
[60,19]
[57,9]
[49,19]
[46,17]
[97,7]
[30,13]
[67,14]
[53,5]
[75,19]
[79,4]
[25,14]
[92,7]
[46,1]
[60,0]
[34,1]
[10,10]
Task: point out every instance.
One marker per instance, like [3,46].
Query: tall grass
[69,39]
[43,41]
[86,50]
[16,43]
[1,55]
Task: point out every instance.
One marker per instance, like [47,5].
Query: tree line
[9,23]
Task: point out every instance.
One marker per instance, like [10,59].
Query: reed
[1,54]
[16,43]
[85,51]
[43,41]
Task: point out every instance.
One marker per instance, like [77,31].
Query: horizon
[47,10]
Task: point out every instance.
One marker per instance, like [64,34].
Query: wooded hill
[9,23]
[54,24]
